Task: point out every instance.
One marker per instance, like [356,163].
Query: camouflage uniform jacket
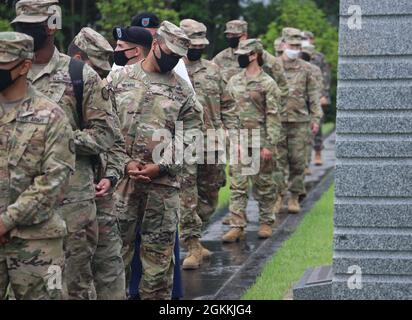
[149,102]
[303,102]
[229,66]
[112,163]
[54,81]
[219,108]
[258,103]
[228,63]
[36,159]
[318,59]
[273,66]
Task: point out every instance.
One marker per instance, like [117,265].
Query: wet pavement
[234,267]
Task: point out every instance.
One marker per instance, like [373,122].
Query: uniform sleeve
[191,116]
[326,72]
[229,115]
[278,75]
[34,205]
[98,136]
[116,156]
[273,123]
[313,90]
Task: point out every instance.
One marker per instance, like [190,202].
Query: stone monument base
[316,284]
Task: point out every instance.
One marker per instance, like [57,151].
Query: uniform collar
[48,69]
[22,110]
[152,77]
[196,66]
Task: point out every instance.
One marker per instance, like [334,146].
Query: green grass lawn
[309,246]
[224,193]
[327,128]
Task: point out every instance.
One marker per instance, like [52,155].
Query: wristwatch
[113,180]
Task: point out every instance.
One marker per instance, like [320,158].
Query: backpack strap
[76,74]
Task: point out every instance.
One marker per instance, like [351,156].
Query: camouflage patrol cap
[292,36]
[236,27]
[176,40]
[308,34]
[309,49]
[97,48]
[248,46]
[277,44]
[196,31]
[35,11]
[15,46]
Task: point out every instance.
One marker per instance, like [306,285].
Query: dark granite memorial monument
[373,204]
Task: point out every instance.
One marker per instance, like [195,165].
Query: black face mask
[5,77]
[243,61]
[36,31]
[120,58]
[166,62]
[233,42]
[194,54]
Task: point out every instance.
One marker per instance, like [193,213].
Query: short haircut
[74,49]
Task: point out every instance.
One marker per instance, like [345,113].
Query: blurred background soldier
[302,109]
[318,59]
[278,47]
[201,182]
[258,100]
[108,267]
[236,30]
[37,156]
[306,54]
[78,90]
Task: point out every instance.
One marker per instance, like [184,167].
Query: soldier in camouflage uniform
[37,157]
[302,109]
[318,59]
[307,51]
[277,45]
[50,75]
[236,31]
[108,266]
[258,101]
[154,98]
[201,182]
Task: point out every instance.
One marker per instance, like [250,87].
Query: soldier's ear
[26,66]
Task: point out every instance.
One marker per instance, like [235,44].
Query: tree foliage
[120,12]
[305,15]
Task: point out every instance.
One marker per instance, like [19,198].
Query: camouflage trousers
[108,267]
[292,156]
[33,269]
[314,143]
[154,210]
[318,141]
[263,189]
[310,146]
[80,245]
[199,196]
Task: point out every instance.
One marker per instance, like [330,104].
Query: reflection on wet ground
[228,259]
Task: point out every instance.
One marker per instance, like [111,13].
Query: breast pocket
[27,148]
[56,91]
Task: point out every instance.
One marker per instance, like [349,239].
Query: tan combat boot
[227,221]
[279,204]
[265,231]
[205,252]
[293,204]
[234,235]
[194,258]
[318,158]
